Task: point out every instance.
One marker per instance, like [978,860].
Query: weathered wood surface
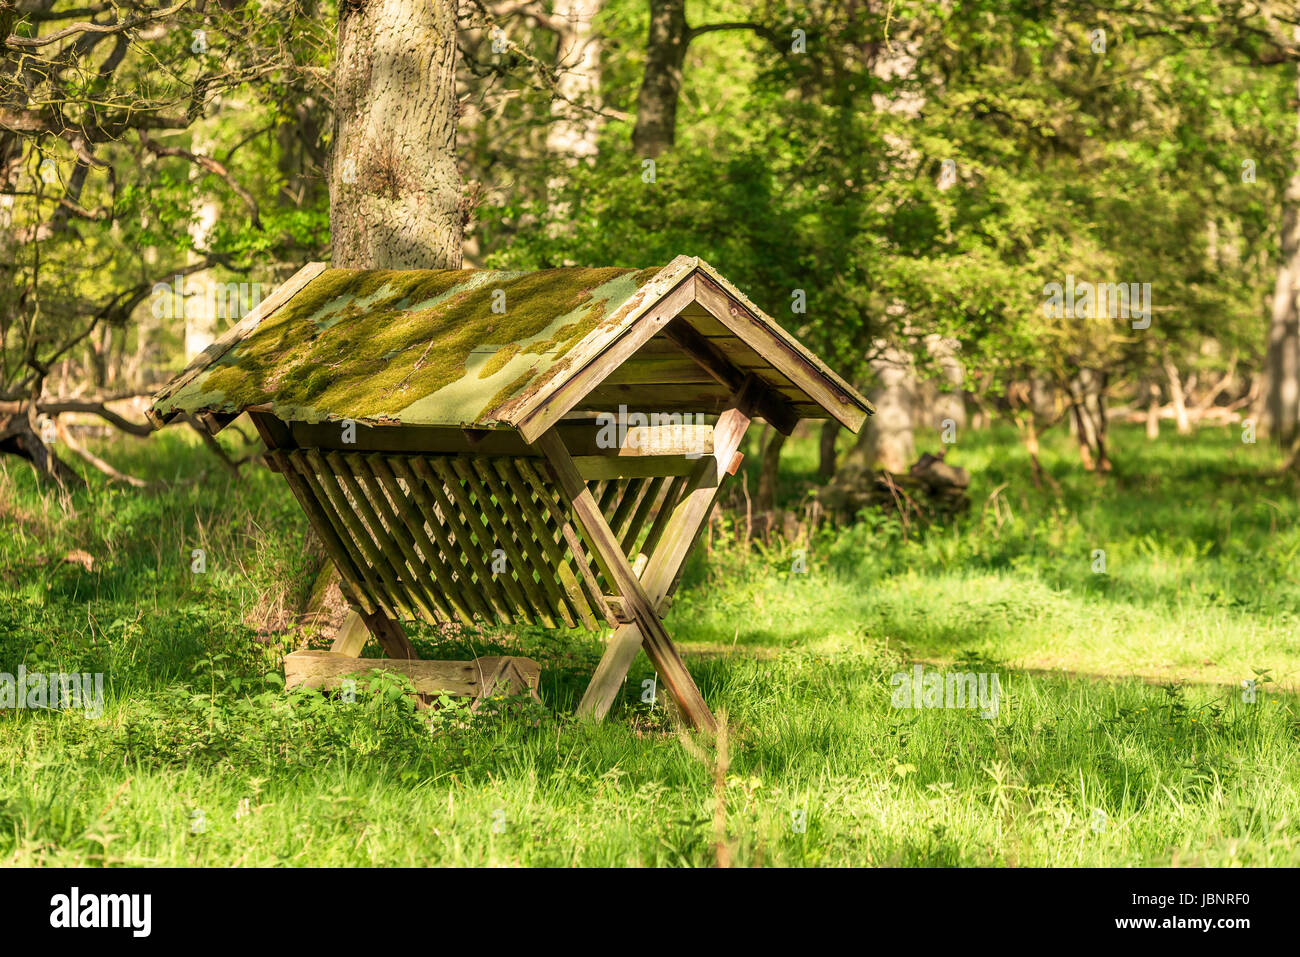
[780,349]
[617,571]
[422,537]
[584,439]
[480,677]
[546,408]
[668,551]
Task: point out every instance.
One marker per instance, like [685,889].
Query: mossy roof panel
[420,347]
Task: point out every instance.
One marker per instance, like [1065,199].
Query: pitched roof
[472,347]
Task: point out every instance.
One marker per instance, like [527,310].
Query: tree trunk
[768,475]
[656,103]
[572,134]
[941,399]
[1182,421]
[1153,410]
[19,436]
[1282,405]
[1087,392]
[395,191]
[886,440]
[830,431]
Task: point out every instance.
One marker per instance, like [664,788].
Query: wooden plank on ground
[327,669]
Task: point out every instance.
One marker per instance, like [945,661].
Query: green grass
[1121,737]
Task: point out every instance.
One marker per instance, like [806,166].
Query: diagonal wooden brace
[614,565]
[661,571]
[669,555]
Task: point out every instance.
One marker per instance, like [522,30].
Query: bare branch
[88,27]
[212,166]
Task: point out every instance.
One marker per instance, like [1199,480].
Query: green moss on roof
[433,347]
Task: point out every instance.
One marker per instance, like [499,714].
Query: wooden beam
[768,404]
[350,639]
[781,350]
[614,565]
[582,437]
[328,669]
[594,468]
[668,555]
[390,634]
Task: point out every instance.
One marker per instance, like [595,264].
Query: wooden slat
[330,473]
[632,493]
[340,512]
[403,560]
[465,605]
[321,524]
[517,566]
[529,540]
[460,560]
[415,578]
[651,493]
[665,513]
[657,370]
[549,495]
[537,516]
[595,468]
[351,637]
[469,514]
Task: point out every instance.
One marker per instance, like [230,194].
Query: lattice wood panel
[444,538]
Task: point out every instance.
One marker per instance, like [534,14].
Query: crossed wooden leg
[390,634]
[642,596]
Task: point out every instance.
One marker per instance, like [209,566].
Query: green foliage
[1121,693]
[825,172]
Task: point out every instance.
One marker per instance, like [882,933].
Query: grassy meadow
[1122,736]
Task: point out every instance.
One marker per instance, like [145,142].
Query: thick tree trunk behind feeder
[395,192]
[887,439]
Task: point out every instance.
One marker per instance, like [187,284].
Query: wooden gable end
[690,352]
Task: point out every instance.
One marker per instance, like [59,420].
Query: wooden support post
[613,563]
[390,634]
[668,557]
[351,636]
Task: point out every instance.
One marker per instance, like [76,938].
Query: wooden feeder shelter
[487,446]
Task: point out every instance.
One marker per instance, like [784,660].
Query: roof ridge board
[280,297]
[520,409]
